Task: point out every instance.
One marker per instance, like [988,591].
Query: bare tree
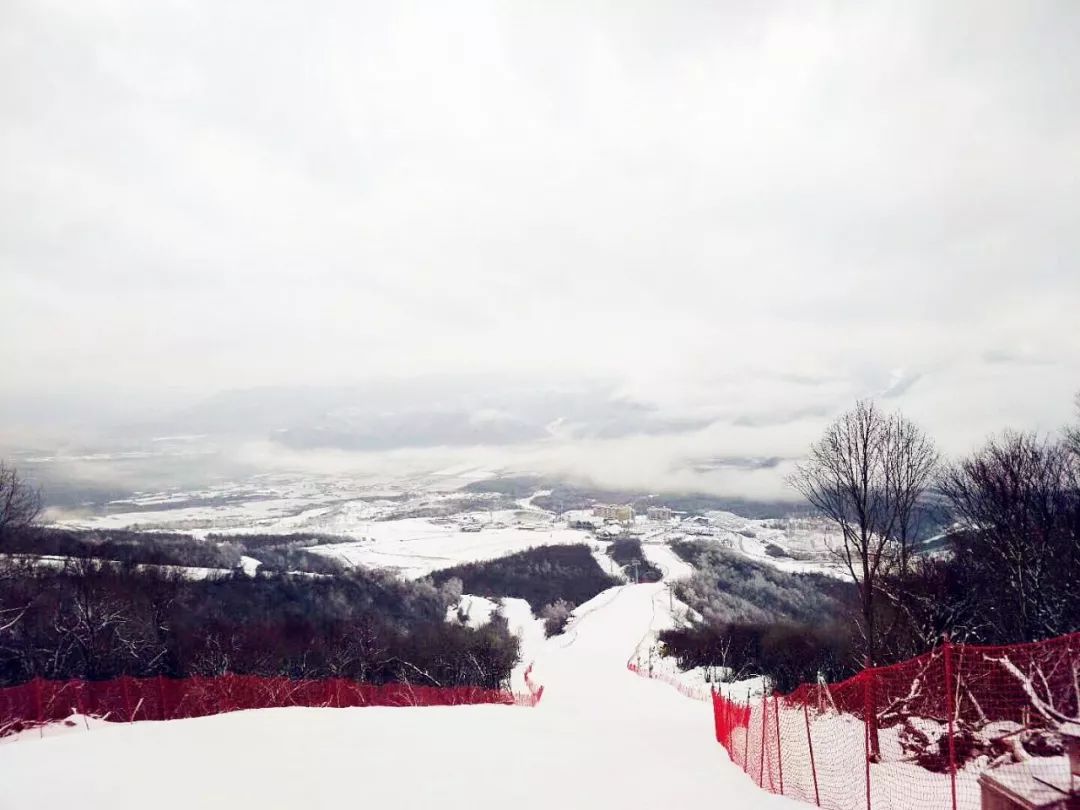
[20,503]
[1072,434]
[1018,499]
[868,474]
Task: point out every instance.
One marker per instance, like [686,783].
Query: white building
[624,513]
[583,519]
[658,513]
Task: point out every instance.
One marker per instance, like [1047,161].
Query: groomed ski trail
[601,738]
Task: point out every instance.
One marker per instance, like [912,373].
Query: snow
[601,737]
[477,610]
[187,571]
[667,612]
[607,564]
[531,637]
[670,563]
[839,748]
[76,724]
[376,516]
[417,546]
[250,565]
[807,540]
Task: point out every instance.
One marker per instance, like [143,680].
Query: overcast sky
[770,208]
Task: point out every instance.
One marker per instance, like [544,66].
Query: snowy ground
[601,737]
[417,546]
[799,545]
[668,612]
[391,521]
[412,546]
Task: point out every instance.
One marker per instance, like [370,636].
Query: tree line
[1006,568]
[552,579]
[274,552]
[756,619]
[92,619]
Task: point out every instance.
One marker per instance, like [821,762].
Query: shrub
[555,617]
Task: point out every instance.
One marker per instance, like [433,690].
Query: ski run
[601,737]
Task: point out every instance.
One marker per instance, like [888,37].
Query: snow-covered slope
[416,547]
[601,737]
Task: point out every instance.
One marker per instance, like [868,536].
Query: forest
[96,620]
[552,579]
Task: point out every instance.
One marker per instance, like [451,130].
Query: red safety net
[934,732]
[129,699]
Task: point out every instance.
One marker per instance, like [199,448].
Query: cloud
[748,215]
[899,383]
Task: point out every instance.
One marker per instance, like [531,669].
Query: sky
[759,210]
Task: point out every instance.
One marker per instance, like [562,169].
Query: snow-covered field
[414,525]
[417,546]
[601,737]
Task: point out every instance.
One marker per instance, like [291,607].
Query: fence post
[746,737]
[868,709]
[39,704]
[779,745]
[127,696]
[761,764]
[810,745]
[950,707]
[161,696]
[716,716]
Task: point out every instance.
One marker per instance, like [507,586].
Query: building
[583,519]
[624,513]
[658,513]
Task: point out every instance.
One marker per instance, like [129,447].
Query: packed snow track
[601,738]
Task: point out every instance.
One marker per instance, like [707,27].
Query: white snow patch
[477,610]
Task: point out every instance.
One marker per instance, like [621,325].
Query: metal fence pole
[950,707]
[125,691]
[761,764]
[779,744]
[868,709]
[746,737]
[39,705]
[810,745]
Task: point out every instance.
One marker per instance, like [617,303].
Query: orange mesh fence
[129,699]
[941,730]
